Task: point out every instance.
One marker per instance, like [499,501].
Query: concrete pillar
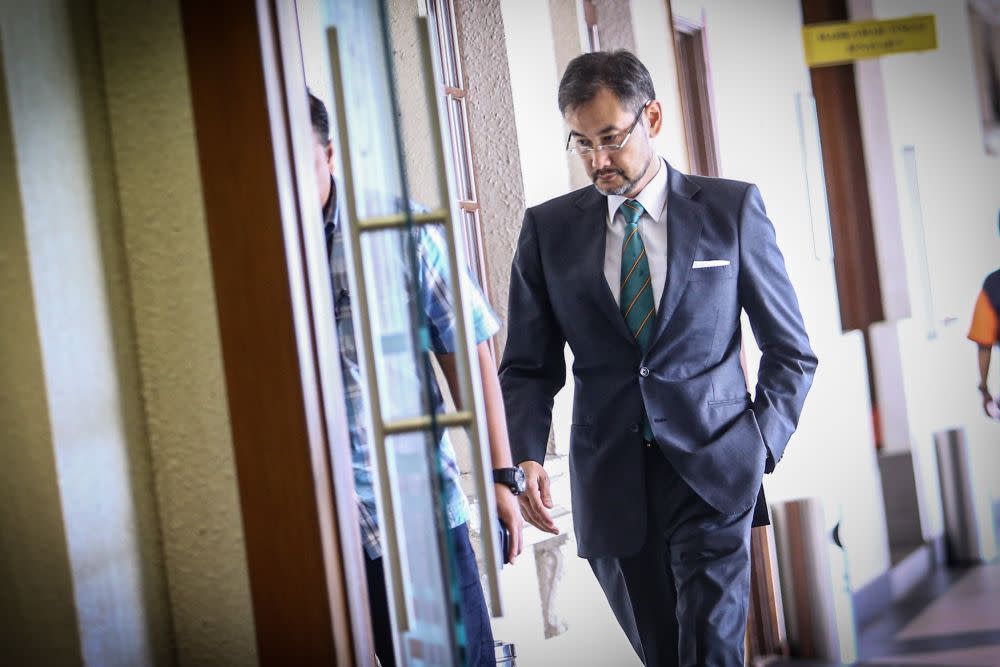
[614,25]
[120,535]
[86,545]
[496,156]
[176,332]
[37,616]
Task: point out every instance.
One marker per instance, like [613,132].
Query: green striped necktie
[636,296]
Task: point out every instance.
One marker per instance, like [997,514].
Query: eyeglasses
[584,148]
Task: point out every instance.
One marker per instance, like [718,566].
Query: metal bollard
[961,523]
[806,585]
[505,654]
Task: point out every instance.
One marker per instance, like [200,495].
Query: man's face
[323,165]
[603,120]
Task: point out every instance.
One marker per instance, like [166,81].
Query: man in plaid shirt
[435,300]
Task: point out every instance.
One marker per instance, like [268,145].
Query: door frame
[282,370]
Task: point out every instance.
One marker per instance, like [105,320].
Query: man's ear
[654,113]
[329,156]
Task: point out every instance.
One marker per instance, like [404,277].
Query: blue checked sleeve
[436,296]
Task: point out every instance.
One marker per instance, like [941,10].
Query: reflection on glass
[385,259]
[429,641]
[463,178]
[812,167]
[378,169]
[395,327]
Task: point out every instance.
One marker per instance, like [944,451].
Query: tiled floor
[950,620]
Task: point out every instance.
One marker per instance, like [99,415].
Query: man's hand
[537,500]
[510,515]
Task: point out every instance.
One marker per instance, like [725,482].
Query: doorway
[325,336]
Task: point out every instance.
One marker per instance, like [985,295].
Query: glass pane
[463,178]
[433,627]
[471,229]
[377,172]
[372,181]
[399,363]
[442,12]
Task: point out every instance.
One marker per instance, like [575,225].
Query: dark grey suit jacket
[690,380]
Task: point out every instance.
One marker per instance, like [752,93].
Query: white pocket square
[709,263]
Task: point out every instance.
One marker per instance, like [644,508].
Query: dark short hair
[619,71]
[320,119]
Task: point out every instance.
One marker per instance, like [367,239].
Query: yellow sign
[838,43]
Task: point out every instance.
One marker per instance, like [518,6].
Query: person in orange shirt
[985,332]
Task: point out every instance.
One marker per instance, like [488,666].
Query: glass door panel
[387,200]
[403,477]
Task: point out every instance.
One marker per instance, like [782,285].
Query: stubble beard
[628,185]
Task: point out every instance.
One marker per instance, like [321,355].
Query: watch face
[520,481]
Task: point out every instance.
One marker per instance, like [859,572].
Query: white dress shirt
[652,229]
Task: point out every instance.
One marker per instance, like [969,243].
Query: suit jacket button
[634,428]
[643,371]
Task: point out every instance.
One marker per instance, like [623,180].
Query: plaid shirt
[435,299]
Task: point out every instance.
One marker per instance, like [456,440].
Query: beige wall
[655,48]
[94,435]
[570,39]
[495,158]
[120,536]
[950,251]
[414,116]
[614,25]
[179,356]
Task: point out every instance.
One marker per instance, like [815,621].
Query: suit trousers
[683,598]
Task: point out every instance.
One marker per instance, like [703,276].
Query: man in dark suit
[645,276]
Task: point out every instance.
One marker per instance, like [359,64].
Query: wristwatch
[512,478]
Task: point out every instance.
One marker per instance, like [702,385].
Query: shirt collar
[653,197]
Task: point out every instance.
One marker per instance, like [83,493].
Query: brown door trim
[851,228]
[275,396]
[693,77]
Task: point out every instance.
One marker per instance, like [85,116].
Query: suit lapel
[685,219]
[594,207]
